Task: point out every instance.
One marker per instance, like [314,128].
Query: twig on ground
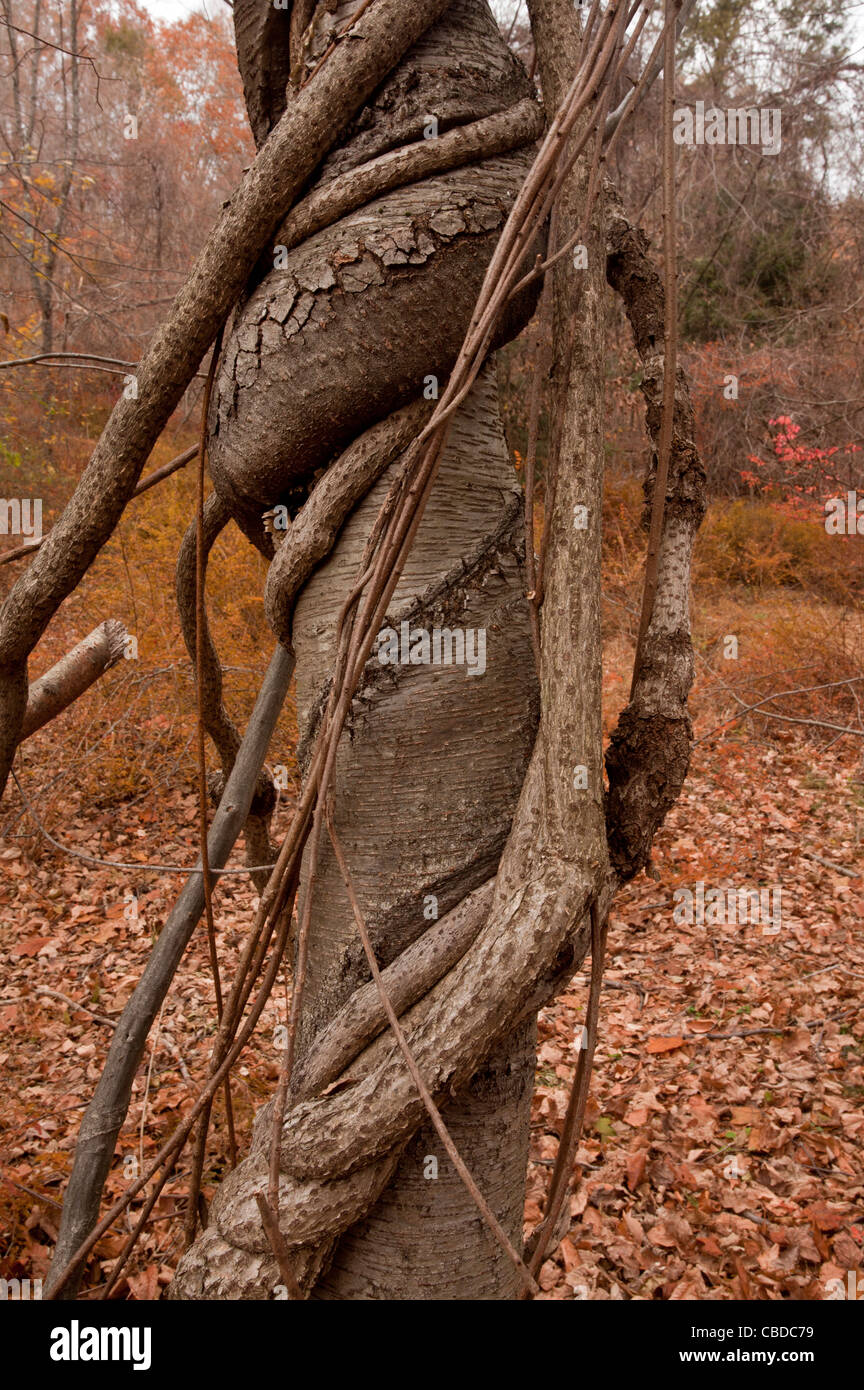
[75,1004]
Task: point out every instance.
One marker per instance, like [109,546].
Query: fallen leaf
[664,1044]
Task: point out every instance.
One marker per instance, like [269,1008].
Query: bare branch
[157,476]
[107,1110]
[73,674]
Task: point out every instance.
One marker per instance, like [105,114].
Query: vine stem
[207,878]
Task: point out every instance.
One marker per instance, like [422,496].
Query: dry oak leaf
[30,946]
[828,1218]
[664,1044]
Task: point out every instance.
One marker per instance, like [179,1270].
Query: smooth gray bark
[73,674]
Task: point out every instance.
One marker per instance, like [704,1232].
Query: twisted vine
[338,1153]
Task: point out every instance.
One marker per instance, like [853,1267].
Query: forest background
[722,1153]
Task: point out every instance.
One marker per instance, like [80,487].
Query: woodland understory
[453,353]
[656,1210]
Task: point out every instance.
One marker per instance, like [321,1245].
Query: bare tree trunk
[40,253]
[427,783]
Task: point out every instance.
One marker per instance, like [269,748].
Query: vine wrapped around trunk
[355,1215]
[350,328]
[440,802]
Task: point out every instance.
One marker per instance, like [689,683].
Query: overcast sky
[177,9]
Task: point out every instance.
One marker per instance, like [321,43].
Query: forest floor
[723,1152]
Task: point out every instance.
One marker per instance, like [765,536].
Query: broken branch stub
[73,674]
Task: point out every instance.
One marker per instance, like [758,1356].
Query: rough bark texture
[314,530]
[555,861]
[411,975]
[350,328]
[346,327]
[264,58]
[338,1151]
[426,785]
[360,1214]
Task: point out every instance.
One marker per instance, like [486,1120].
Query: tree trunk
[348,328]
[434,763]
[345,331]
[428,779]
